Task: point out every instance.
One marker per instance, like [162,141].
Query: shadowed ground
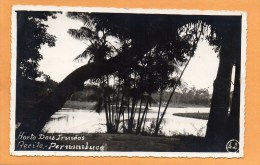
[129,142]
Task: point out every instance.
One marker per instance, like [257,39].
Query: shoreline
[202,116]
[90,105]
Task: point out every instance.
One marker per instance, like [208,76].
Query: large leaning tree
[150,72]
[144,31]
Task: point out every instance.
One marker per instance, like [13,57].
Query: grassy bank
[124,142]
[130,142]
[203,116]
[183,105]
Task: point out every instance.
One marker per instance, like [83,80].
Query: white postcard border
[127,154]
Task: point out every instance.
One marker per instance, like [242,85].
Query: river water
[88,121]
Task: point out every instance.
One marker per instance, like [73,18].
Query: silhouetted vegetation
[135,60]
[31,84]
[187,97]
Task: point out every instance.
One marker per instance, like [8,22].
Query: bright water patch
[88,121]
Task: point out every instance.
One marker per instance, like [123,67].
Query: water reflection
[88,121]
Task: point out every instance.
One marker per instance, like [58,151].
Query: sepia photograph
[127,82]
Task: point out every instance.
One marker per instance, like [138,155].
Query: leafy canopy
[31,35]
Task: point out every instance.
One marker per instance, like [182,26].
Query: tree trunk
[128,108]
[132,115]
[113,102]
[139,113]
[160,103]
[121,110]
[108,100]
[143,130]
[117,98]
[108,123]
[233,119]
[220,102]
[216,134]
[42,111]
[138,129]
[157,126]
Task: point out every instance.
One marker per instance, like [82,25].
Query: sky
[58,61]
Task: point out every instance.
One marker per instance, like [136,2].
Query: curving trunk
[42,111]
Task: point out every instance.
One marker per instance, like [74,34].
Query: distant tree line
[185,97]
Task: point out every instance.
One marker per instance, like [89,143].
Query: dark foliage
[31,35]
